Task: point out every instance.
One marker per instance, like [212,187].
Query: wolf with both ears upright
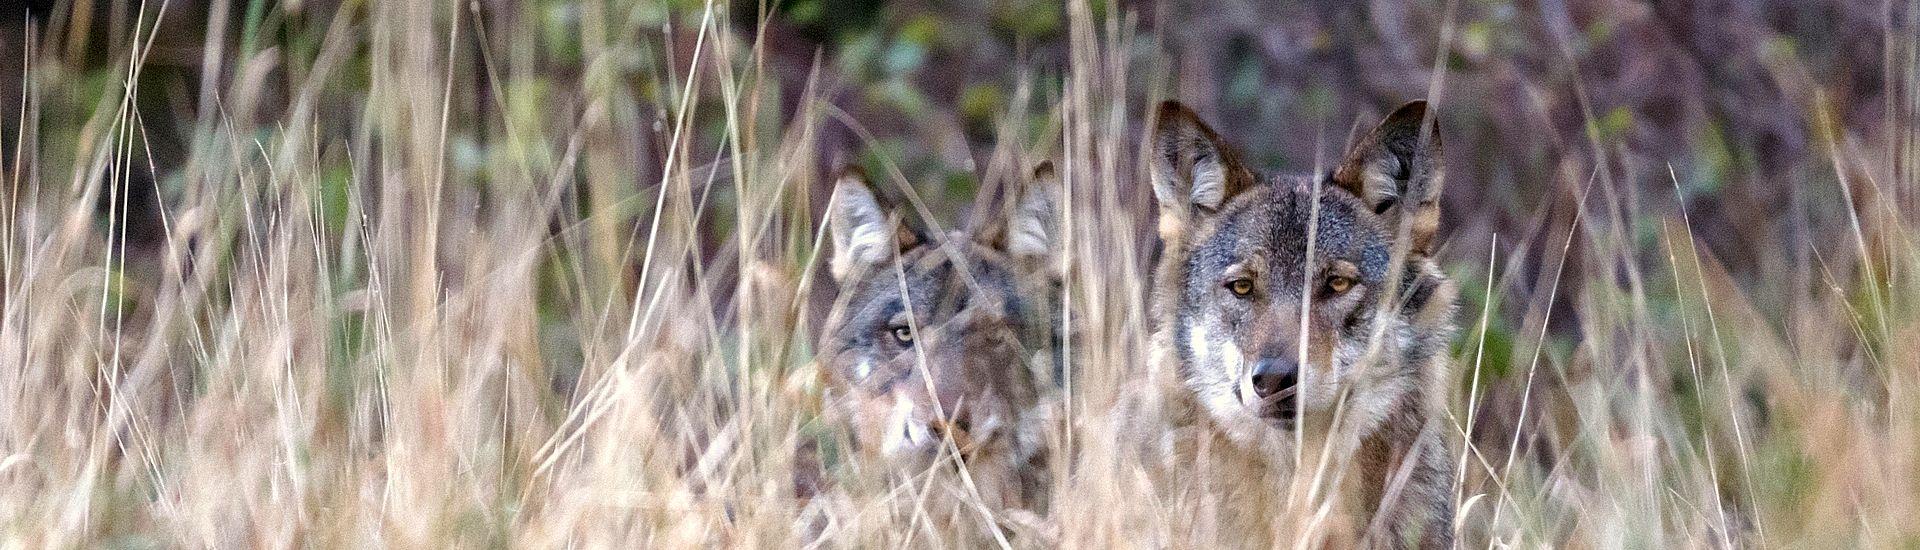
[1301,335]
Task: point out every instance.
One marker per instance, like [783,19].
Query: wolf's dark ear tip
[1170,109]
[1408,115]
[850,171]
[1412,112]
[1043,171]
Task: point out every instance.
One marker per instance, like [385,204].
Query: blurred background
[1727,109]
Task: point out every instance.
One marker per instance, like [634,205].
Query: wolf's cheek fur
[1218,361]
[886,410]
[1214,370]
[900,429]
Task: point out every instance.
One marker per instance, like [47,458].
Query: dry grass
[410,297]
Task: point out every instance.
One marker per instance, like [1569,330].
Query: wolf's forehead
[943,278]
[972,267]
[1274,223]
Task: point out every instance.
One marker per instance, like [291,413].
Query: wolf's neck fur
[1387,482]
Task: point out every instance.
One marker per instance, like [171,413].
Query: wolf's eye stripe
[903,334]
[1240,287]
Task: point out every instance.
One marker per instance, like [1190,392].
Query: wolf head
[1280,298]
[941,337]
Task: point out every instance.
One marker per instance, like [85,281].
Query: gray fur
[1375,351]
[978,365]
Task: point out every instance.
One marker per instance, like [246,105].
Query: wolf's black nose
[1274,375]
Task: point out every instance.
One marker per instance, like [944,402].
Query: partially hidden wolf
[944,343]
[1307,327]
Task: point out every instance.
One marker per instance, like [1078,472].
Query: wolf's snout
[1274,377]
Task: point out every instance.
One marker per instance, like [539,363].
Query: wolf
[944,343]
[1305,317]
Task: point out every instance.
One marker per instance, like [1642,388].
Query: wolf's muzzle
[1274,379]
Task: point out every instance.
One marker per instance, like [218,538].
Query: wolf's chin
[1283,419]
[1243,423]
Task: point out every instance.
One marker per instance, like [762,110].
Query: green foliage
[1029,19]
[1613,126]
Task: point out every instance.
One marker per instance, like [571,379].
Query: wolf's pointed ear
[1023,222]
[1397,170]
[1194,172]
[865,231]
[1031,233]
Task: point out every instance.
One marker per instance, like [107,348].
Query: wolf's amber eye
[903,334]
[1338,284]
[1240,287]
